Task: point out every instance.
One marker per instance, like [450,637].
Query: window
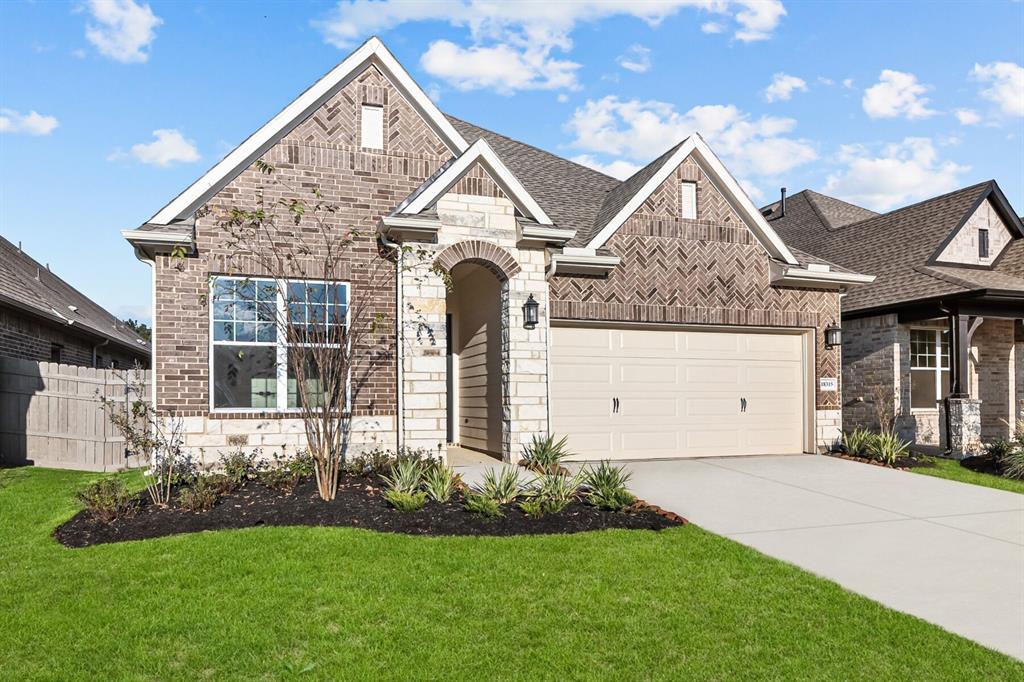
[929,367]
[250,324]
[372,127]
[982,243]
[689,201]
[55,352]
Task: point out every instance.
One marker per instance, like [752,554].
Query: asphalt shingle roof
[28,285]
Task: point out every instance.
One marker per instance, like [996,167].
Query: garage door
[632,393]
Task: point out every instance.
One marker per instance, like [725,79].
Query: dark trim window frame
[983,243]
[929,368]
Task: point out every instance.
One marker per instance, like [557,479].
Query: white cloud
[618,168]
[31,123]
[782,87]
[712,27]
[900,174]
[636,132]
[123,30]
[897,94]
[1006,85]
[967,117]
[563,98]
[524,35]
[636,59]
[825,80]
[169,147]
[848,83]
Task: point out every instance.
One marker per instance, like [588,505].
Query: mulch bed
[359,504]
[903,463]
[983,464]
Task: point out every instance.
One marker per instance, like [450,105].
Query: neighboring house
[942,319]
[44,318]
[673,321]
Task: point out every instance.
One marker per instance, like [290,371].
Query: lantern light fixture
[833,336]
[530,314]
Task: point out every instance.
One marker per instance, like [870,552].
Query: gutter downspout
[151,262]
[399,356]
[95,348]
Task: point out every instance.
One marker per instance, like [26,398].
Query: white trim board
[722,179]
[373,52]
[480,152]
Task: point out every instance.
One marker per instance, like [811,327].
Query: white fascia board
[372,51]
[722,179]
[154,237]
[579,264]
[786,275]
[546,234]
[481,152]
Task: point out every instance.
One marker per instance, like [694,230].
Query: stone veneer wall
[484,221]
[963,248]
[364,184]
[708,271]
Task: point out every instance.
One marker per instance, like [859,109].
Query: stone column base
[962,428]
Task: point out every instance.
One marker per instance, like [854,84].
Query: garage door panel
[679,392]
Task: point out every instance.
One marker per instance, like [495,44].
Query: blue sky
[109,108]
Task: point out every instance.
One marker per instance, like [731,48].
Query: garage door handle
[615,405]
[743,404]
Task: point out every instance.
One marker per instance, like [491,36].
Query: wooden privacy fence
[51,415]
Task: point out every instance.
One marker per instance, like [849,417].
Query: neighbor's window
[372,127]
[983,243]
[249,337]
[56,350]
[929,367]
[689,200]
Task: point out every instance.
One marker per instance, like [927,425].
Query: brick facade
[26,337]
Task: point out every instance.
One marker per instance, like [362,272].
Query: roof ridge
[535,148]
[918,203]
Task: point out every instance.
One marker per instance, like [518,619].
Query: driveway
[950,553]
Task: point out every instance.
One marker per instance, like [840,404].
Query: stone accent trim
[491,256]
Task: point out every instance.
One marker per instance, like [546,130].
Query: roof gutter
[815,277]
[574,261]
[151,241]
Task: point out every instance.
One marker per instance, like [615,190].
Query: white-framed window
[249,321]
[929,367]
[372,127]
[688,200]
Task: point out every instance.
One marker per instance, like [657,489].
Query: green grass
[338,603]
[951,469]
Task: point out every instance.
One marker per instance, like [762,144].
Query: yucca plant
[544,455]
[606,487]
[405,476]
[888,448]
[858,442]
[555,492]
[502,485]
[440,482]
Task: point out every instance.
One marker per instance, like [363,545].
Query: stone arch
[491,256]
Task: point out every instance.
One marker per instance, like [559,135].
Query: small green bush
[532,507]
[440,482]
[606,487]
[858,442]
[107,500]
[999,449]
[484,506]
[239,465]
[544,455]
[888,448]
[503,485]
[201,496]
[406,475]
[283,472]
[406,502]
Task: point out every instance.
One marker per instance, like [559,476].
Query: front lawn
[341,603]
[951,469]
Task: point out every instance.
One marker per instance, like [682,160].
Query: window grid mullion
[281,325]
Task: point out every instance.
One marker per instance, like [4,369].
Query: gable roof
[29,286]
[372,51]
[898,247]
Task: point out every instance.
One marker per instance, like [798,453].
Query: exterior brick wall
[26,337]
[993,377]
[705,271]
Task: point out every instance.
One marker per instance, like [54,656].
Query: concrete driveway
[949,553]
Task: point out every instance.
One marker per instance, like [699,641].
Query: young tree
[296,256]
[140,328]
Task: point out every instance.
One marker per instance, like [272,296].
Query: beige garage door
[645,393]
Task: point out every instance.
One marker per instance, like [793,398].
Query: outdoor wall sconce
[530,309]
[833,336]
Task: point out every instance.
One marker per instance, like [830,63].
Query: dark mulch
[910,462]
[358,504]
[983,464]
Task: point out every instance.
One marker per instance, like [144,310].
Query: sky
[109,108]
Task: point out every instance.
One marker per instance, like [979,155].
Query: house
[43,318]
[937,339]
[661,316]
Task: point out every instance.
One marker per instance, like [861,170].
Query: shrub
[440,482]
[502,485]
[532,507]
[107,499]
[484,506]
[200,496]
[556,492]
[381,461]
[239,466]
[606,487]
[405,475]
[406,502]
[222,484]
[544,455]
[284,472]
[999,449]
[858,442]
[888,448]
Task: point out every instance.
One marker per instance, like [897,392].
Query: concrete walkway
[950,553]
